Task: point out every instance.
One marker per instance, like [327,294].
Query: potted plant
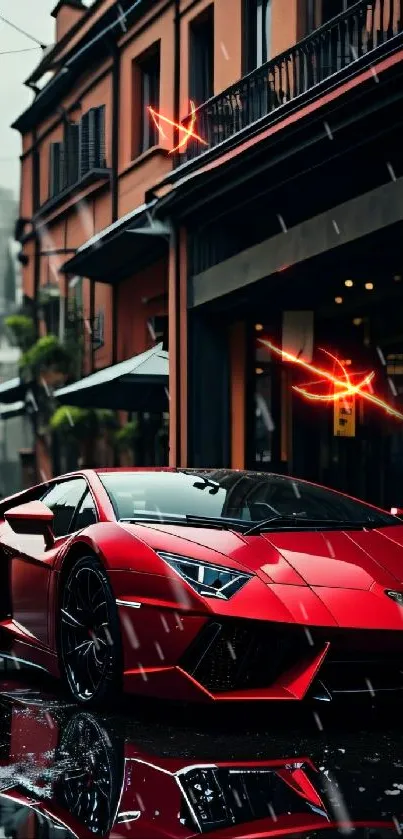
[22,329]
[47,361]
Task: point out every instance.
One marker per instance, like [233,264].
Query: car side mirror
[32,519]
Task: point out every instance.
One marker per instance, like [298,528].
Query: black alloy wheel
[89,634]
[92,763]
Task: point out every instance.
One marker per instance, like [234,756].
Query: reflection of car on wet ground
[202,585]
[74,772]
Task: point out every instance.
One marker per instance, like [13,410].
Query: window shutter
[92,140]
[84,144]
[55,169]
[71,151]
[62,167]
[99,127]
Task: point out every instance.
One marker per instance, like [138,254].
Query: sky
[34,17]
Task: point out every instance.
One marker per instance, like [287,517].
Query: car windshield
[224,494]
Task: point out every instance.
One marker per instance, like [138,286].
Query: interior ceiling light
[357,321]
[369,286]
[259,371]
[338,299]
[259,327]
[348,283]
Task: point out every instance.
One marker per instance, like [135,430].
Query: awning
[11,390]
[138,384]
[121,249]
[15,409]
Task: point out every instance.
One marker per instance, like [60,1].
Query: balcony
[347,38]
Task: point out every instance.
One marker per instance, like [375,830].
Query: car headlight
[206,579]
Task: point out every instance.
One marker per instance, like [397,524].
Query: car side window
[64,499]
[86,513]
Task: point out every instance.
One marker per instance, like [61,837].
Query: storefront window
[264,394]
[264,424]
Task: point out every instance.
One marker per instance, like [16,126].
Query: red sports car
[209,585]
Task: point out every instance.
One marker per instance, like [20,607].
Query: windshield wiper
[277,522]
[188,520]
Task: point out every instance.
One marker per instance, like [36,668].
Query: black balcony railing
[328,50]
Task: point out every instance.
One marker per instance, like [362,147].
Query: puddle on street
[70,772]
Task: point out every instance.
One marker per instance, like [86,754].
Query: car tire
[91,758]
[89,639]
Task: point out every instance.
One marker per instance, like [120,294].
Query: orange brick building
[297,104]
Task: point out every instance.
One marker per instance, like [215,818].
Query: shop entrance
[350,316]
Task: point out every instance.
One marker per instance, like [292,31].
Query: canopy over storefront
[11,391]
[138,384]
[13,409]
[122,248]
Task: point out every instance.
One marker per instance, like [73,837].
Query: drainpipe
[92,323]
[177,69]
[115,131]
[175,238]
[115,182]
[35,208]
[37,270]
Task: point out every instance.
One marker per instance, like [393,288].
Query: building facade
[14,430]
[253,218]
[291,291]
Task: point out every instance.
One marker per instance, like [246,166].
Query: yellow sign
[344,417]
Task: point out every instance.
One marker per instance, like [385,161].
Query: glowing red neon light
[188,133]
[342,387]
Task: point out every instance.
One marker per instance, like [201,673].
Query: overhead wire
[13,52]
[22,32]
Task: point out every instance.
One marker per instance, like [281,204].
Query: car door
[32,562]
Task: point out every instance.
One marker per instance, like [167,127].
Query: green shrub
[81,423]
[45,353]
[22,329]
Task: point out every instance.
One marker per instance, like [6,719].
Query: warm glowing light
[259,327]
[338,299]
[357,321]
[259,371]
[369,286]
[343,387]
[188,133]
[397,278]
[348,283]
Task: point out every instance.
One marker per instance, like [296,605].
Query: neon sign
[188,133]
[342,388]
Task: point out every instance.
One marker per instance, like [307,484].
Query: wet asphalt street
[67,772]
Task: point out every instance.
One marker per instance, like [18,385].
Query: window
[98,332]
[331,8]
[150,97]
[201,57]
[51,315]
[243,496]
[257,26]
[86,513]
[63,499]
[82,150]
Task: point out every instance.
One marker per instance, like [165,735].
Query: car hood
[335,559]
